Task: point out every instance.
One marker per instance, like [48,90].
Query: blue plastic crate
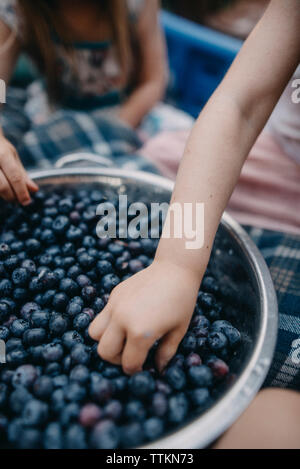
[199,58]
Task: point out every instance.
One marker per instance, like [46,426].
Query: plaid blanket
[70,131]
[282,254]
[67,131]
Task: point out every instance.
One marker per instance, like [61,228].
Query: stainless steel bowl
[258,312]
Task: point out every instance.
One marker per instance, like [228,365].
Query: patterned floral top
[98,72]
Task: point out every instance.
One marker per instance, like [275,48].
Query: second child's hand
[155,304]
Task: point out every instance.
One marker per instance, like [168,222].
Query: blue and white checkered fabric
[67,131]
[282,254]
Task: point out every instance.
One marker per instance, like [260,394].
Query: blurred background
[235,17]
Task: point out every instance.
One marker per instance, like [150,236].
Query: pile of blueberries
[55,391]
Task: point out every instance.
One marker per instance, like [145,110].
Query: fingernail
[27,202]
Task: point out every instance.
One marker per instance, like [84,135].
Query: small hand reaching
[155,304]
[15,184]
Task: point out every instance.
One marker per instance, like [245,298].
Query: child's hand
[14,181]
[154,304]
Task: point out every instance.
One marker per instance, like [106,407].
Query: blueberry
[135,411]
[209,284]
[206,300]
[159,404]
[163,387]
[75,437]
[58,401]
[74,272]
[29,265]
[132,435]
[65,206]
[153,428]
[89,294]
[6,288]
[135,266]
[111,372]
[68,286]
[102,390]
[113,410]
[71,338]
[74,234]
[120,385]
[73,309]
[176,378]
[20,294]
[3,395]
[4,311]
[35,413]
[80,374]
[177,408]
[109,282]
[105,435]
[232,334]
[189,343]
[106,256]
[20,277]
[122,265]
[98,305]
[28,309]
[81,322]
[15,429]
[219,368]
[40,319]
[18,399]
[217,341]
[4,251]
[24,376]
[104,268]
[200,376]
[80,354]
[90,414]
[59,273]
[48,237]
[13,344]
[16,247]
[53,436]
[135,247]
[53,352]
[30,438]
[60,224]
[11,263]
[18,327]
[193,360]
[35,336]
[83,281]
[69,414]
[32,246]
[142,384]
[43,387]
[60,381]
[4,333]
[68,249]
[200,397]
[60,301]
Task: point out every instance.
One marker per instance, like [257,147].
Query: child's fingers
[14,173]
[167,348]
[112,343]
[5,190]
[100,323]
[32,186]
[135,354]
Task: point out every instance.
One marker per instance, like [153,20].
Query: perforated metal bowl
[252,284]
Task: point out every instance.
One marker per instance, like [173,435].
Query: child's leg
[271,422]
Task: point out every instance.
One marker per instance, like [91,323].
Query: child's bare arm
[14,182]
[218,146]
[152,67]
